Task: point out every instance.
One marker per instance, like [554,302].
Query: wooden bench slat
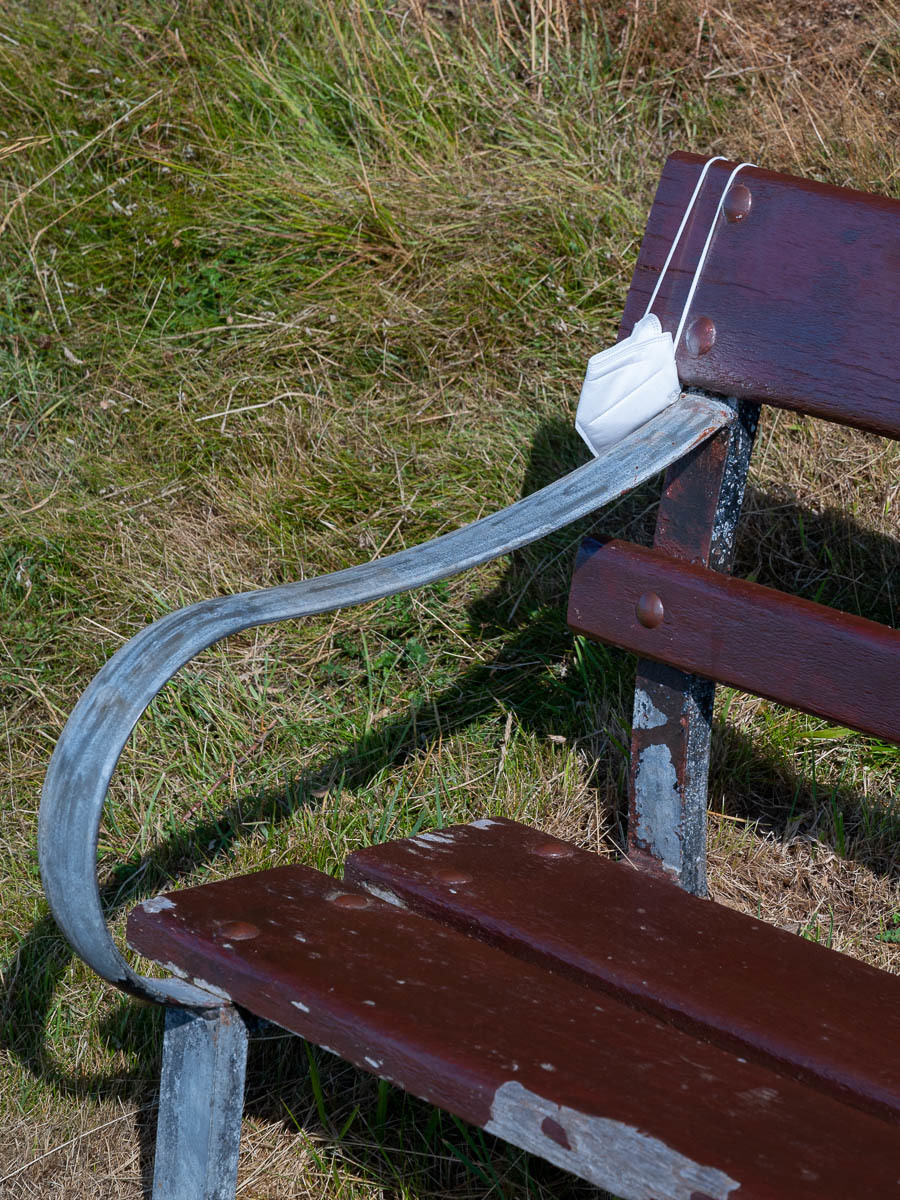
[759,990]
[804,292]
[620,1098]
[807,655]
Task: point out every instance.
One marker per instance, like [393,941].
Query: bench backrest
[802,287]
[798,305]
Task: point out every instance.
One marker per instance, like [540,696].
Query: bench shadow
[780,544]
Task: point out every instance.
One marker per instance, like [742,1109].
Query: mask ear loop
[684,220]
[712,229]
[707,244]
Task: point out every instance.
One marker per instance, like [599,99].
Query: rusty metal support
[697,517]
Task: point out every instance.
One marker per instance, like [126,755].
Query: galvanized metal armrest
[101,723]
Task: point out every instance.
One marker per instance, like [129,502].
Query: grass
[285,287]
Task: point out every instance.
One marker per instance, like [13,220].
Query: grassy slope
[399,241]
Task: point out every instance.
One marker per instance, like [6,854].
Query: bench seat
[583,1011]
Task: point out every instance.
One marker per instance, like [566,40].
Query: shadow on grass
[583,697]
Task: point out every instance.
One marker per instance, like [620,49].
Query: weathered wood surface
[627,1102]
[828,1019]
[804,292]
[807,655]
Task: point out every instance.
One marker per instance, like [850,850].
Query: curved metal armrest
[101,723]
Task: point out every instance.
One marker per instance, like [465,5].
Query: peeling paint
[608,1153]
[219,993]
[211,987]
[484,823]
[646,714]
[157,904]
[659,820]
[382,894]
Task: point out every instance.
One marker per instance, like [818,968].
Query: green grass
[285,287]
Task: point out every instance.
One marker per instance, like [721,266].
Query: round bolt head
[553,850]
[649,610]
[238,931]
[737,203]
[450,875]
[351,900]
[700,337]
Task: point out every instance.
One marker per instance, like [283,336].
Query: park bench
[607,1018]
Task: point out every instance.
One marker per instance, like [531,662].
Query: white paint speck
[299,1004]
[440,839]
[299,937]
[374,1063]
[547,1067]
[211,987]
[646,714]
[383,894]
[369,1003]
[157,904]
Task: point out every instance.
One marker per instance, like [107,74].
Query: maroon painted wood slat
[612,1094]
[807,655]
[803,292]
[764,992]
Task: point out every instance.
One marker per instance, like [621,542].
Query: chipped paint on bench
[659,819]
[608,1153]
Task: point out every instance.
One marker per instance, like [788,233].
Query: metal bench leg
[201,1099]
[673,711]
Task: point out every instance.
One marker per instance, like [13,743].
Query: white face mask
[636,379]
[627,384]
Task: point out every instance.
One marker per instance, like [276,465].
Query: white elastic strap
[684,220]
[707,244]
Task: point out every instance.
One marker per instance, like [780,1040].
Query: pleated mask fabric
[627,384]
